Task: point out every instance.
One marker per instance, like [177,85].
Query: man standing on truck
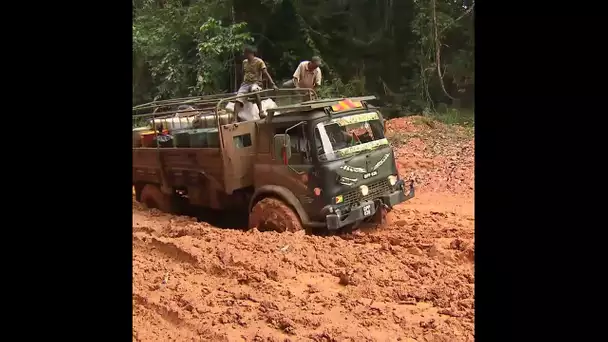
[253,70]
[307,75]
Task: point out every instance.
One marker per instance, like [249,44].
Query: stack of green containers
[181,138]
[213,139]
[198,137]
[204,137]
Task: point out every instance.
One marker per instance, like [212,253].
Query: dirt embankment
[411,281]
[439,157]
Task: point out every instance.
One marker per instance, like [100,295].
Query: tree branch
[462,16]
[438,51]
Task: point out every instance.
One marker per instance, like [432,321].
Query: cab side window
[300,146]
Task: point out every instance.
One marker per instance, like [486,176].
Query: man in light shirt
[307,75]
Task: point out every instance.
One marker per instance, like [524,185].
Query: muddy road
[412,280]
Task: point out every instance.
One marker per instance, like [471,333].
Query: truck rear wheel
[273,214]
[152,197]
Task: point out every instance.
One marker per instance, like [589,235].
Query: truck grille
[375,190]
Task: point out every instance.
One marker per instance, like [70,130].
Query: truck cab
[330,162]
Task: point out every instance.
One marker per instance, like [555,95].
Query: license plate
[367,210]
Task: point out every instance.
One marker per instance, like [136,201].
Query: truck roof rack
[316,104]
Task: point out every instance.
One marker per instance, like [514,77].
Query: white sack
[250,110]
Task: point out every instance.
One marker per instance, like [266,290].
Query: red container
[147,139]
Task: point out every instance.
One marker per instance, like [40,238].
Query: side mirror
[282,147]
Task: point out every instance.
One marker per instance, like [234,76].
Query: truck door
[298,175]
[239,152]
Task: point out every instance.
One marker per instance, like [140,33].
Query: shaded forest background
[416,56]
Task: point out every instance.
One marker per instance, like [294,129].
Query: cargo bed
[206,169]
[182,166]
[211,164]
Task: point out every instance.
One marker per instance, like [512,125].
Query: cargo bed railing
[209,105]
[279,95]
[200,100]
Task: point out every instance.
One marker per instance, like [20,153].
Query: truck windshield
[349,135]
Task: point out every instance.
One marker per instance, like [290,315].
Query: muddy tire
[379,217]
[152,197]
[273,214]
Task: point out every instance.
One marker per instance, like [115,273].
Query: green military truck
[316,163]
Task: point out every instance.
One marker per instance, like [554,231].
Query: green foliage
[336,88]
[385,48]
[216,43]
[181,50]
[453,116]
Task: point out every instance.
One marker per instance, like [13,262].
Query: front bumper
[399,196]
[368,208]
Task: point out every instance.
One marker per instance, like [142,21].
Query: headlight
[392,180]
[364,190]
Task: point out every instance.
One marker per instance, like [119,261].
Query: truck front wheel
[379,217]
[273,214]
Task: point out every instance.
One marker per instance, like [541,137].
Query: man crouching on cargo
[253,69]
[307,75]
